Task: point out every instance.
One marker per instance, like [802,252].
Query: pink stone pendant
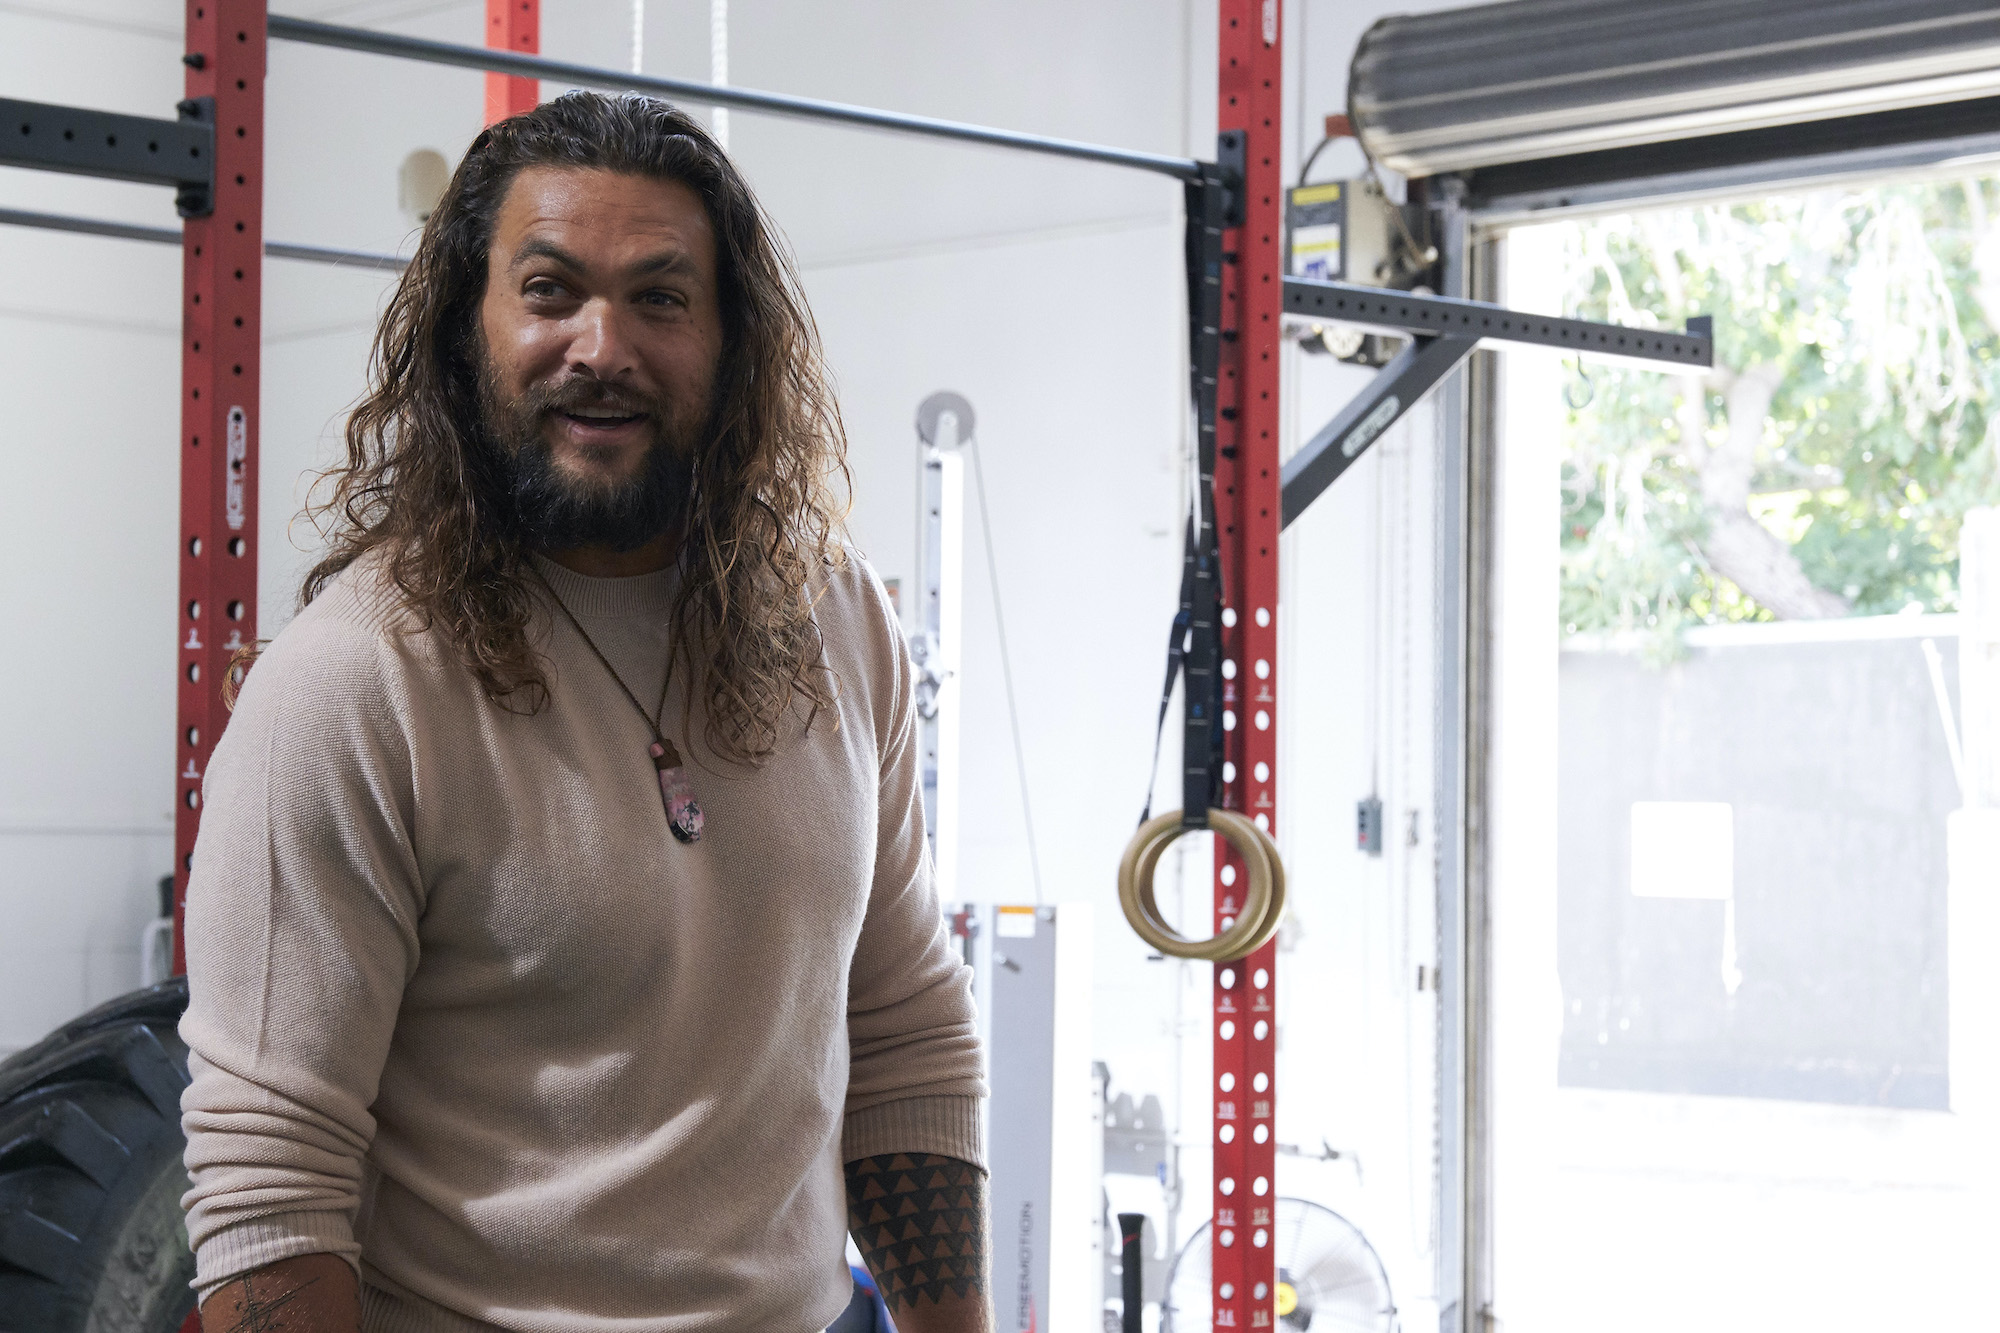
[683,815]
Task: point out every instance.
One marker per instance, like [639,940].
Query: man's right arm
[313,1293]
[302,917]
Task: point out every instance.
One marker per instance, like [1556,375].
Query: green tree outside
[1823,467]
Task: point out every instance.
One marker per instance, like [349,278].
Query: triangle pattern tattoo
[920,1221]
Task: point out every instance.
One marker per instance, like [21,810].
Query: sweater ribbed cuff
[947,1126]
[247,1246]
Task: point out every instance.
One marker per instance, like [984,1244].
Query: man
[562,946]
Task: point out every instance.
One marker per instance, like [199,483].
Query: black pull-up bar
[778,104]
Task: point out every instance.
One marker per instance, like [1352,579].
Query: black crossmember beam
[83,142]
[1443,331]
[1400,312]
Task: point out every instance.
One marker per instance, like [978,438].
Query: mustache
[580,391]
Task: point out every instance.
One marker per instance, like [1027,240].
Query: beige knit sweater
[465,1013]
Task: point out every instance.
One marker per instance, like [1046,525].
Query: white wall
[89,332]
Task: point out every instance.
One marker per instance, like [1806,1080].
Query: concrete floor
[1641,1211]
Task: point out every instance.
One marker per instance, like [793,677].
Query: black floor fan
[1330,1279]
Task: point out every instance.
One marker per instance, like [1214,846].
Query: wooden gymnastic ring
[1263,896]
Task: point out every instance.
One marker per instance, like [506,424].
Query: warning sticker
[1014,923]
[1316,252]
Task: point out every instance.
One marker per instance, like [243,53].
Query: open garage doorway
[1737,1080]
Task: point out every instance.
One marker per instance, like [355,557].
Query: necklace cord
[652,719]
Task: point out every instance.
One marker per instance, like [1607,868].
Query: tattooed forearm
[259,1312]
[920,1222]
[313,1293]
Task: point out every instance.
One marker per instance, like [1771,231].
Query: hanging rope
[718,67]
[1006,665]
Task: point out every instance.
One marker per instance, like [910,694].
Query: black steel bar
[1396,388]
[16,217]
[317,254]
[103,143]
[1401,312]
[323,254]
[777,104]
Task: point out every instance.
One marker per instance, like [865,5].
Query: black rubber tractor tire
[91,1234]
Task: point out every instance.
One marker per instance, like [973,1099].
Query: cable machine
[1224,643]
[944,424]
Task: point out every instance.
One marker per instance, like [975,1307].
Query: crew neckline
[648,596]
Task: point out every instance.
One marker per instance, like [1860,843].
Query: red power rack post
[222,264]
[1247,522]
[512,25]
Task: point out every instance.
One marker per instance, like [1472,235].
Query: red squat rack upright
[222,257]
[1249,99]
[512,25]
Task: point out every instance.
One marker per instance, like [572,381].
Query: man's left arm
[911,1141]
[919,1220]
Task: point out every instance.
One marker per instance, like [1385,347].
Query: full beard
[549,510]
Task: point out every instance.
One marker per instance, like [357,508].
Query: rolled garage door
[1462,89]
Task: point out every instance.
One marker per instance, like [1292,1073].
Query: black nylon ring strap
[1177,635]
[1201,735]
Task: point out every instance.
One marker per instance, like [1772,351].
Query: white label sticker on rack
[1014,923]
[237,445]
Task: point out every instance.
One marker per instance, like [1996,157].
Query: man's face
[602,331]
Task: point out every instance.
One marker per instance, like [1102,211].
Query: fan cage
[1335,1276]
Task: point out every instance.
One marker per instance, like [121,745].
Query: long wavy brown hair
[423,490]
